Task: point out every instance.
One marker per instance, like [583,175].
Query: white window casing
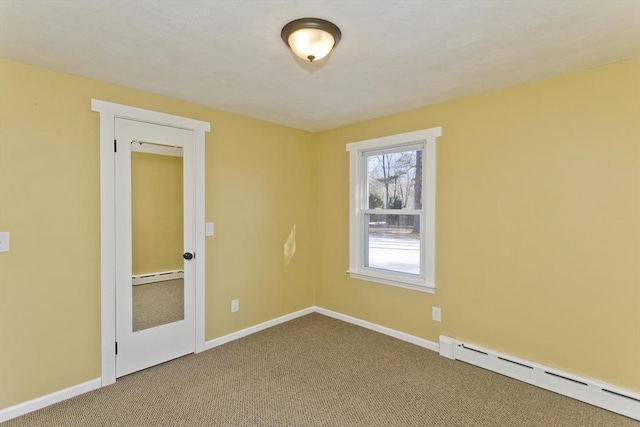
[358,207]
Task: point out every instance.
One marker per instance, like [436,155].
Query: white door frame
[108,112]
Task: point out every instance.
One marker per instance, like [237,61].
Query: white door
[155,242]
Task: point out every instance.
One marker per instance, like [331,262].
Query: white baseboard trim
[49,399]
[382,329]
[256,328]
[587,390]
[421,342]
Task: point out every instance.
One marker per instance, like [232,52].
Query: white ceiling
[394,55]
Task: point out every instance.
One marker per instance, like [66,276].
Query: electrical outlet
[436,314]
[4,241]
[235,305]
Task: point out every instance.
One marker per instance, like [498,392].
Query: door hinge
[116,348]
[115,146]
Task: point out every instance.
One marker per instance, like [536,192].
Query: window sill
[427,288]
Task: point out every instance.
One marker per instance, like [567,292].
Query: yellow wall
[156,213]
[537,224]
[258,188]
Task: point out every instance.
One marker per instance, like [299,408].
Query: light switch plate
[208,229]
[4,241]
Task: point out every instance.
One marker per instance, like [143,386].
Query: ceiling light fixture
[311,38]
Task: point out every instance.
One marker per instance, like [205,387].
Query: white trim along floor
[587,390]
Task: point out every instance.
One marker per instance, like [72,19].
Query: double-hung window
[392,209]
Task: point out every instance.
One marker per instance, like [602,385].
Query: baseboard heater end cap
[447,345]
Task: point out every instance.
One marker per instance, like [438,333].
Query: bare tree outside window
[417,201]
[392,178]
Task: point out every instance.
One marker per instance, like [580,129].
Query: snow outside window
[392,209]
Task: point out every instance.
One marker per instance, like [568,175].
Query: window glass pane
[394,180]
[392,242]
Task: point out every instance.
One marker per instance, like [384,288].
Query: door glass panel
[157,235]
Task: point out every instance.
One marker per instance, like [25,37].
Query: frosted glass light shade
[311,38]
[311,44]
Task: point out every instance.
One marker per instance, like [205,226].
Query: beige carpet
[157,303]
[317,371]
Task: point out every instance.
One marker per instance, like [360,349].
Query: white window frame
[358,199]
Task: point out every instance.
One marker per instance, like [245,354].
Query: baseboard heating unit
[586,390]
[160,276]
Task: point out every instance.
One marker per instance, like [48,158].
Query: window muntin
[392,220]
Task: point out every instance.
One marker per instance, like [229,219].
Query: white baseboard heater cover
[605,396]
[159,276]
